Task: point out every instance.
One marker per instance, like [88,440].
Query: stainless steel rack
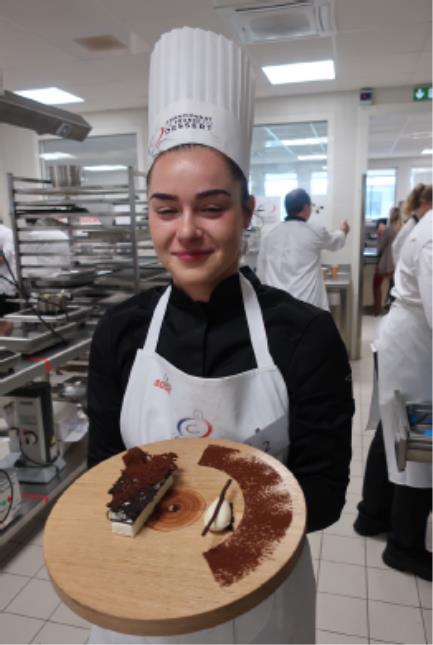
[103,228]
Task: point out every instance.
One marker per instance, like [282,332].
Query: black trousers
[402,511]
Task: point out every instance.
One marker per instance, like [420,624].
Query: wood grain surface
[159,583]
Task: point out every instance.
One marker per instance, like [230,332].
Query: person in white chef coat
[231,351]
[399,502]
[290,254]
[417,204]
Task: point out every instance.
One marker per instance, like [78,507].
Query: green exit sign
[422,93]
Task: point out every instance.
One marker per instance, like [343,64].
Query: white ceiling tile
[378,41]
[365,14]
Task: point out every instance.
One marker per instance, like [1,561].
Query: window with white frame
[285,156]
[104,160]
[420,175]
[318,183]
[380,193]
[279,184]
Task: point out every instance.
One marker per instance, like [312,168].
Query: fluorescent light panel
[308,141]
[311,157]
[427,151]
[54,156]
[320,70]
[50,96]
[106,168]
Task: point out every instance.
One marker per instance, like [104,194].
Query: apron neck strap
[156,322]
[256,326]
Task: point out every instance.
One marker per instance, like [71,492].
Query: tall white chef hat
[201,90]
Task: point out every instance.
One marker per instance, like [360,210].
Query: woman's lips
[192,256]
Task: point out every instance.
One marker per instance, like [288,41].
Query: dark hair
[235,170]
[295,201]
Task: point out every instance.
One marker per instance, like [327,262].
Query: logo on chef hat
[178,123]
[195,426]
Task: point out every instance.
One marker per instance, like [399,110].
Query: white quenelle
[223,518]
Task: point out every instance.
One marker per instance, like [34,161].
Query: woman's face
[196,218]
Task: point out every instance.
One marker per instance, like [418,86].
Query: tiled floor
[360,600]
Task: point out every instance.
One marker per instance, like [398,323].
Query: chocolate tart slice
[142,484]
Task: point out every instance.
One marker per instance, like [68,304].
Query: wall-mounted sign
[422,93]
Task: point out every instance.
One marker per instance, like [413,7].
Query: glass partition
[287,156]
[104,160]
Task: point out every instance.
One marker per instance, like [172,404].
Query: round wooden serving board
[159,582]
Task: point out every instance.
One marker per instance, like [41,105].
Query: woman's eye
[212,209]
[166,212]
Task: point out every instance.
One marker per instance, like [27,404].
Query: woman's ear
[249,210]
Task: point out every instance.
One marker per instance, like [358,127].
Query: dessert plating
[142,484]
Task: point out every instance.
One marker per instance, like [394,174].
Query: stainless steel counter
[340,285]
[30,367]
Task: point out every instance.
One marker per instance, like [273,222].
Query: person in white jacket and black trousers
[290,255]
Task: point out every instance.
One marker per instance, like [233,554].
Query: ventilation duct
[43,119]
[266,20]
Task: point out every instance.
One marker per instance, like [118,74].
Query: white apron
[162,402]
[404,347]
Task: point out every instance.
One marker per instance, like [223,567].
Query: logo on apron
[163,384]
[195,426]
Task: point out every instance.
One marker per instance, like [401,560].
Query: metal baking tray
[67,278]
[8,359]
[72,278]
[29,338]
[71,313]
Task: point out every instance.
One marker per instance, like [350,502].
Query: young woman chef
[233,355]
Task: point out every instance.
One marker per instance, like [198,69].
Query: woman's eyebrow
[165,196]
[213,193]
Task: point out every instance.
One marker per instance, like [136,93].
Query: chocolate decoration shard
[217,507]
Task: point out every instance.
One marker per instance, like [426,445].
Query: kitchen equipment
[39,461]
[69,313]
[10,495]
[414,431]
[52,302]
[72,278]
[64,176]
[7,360]
[34,420]
[29,338]
[73,389]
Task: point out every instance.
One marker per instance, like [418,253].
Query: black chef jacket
[211,340]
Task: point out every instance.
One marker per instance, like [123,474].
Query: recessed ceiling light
[308,141]
[50,96]
[427,151]
[319,70]
[53,156]
[311,157]
[106,168]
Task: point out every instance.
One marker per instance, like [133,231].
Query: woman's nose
[188,228]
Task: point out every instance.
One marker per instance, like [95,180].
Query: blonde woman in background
[385,265]
[417,204]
